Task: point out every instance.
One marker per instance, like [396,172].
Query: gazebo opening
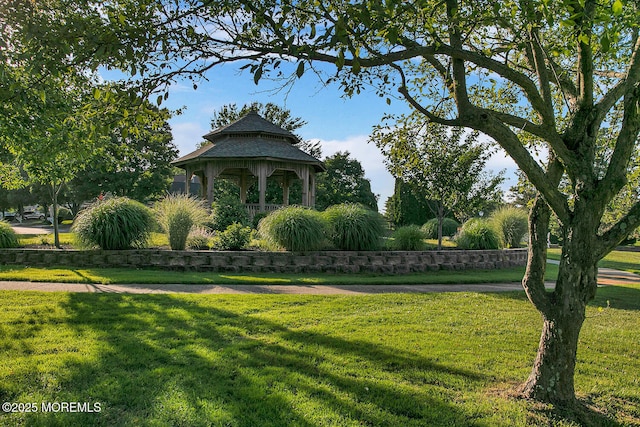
[258,156]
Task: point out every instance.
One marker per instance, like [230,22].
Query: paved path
[37,228]
[259,289]
[606,277]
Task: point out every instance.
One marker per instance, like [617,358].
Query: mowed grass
[143,276]
[69,239]
[383,360]
[619,260]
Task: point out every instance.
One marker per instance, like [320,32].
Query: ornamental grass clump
[199,239]
[294,228]
[177,214]
[353,227]
[114,224]
[408,238]
[8,237]
[511,224]
[478,234]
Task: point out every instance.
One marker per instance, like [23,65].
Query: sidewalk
[258,289]
[606,277]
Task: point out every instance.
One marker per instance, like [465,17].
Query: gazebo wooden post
[209,173]
[187,182]
[262,185]
[243,186]
[305,187]
[312,188]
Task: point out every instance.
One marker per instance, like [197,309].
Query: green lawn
[122,276]
[69,239]
[384,360]
[619,260]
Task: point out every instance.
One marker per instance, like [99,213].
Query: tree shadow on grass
[161,360]
[583,413]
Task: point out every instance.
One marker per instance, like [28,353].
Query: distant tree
[404,208]
[343,182]
[134,165]
[444,166]
[522,194]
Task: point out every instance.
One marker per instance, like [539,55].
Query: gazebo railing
[254,208]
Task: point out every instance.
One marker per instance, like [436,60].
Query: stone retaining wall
[270,262]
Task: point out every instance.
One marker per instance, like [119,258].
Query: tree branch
[486,122]
[459,79]
[585,55]
[533,281]
[618,232]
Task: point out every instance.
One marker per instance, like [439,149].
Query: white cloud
[187,135]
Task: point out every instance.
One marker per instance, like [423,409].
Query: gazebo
[248,149]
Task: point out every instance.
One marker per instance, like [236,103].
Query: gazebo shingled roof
[251,122]
[255,144]
[251,137]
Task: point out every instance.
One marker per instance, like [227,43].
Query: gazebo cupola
[251,148]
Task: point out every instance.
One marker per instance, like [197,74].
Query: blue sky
[340,124]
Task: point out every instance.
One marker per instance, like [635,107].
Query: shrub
[177,214]
[113,224]
[64,214]
[234,238]
[408,238]
[199,239]
[226,211]
[449,228]
[8,237]
[478,234]
[511,224]
[353,227]
[294,228]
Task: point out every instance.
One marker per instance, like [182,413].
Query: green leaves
[617,7]
[257,74]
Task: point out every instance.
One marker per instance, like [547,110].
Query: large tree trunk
[552,377]
[563,310]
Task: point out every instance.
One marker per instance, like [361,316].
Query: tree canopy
[137,166]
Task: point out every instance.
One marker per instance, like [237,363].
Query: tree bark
[563,310]
[551,379]
[552,376]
